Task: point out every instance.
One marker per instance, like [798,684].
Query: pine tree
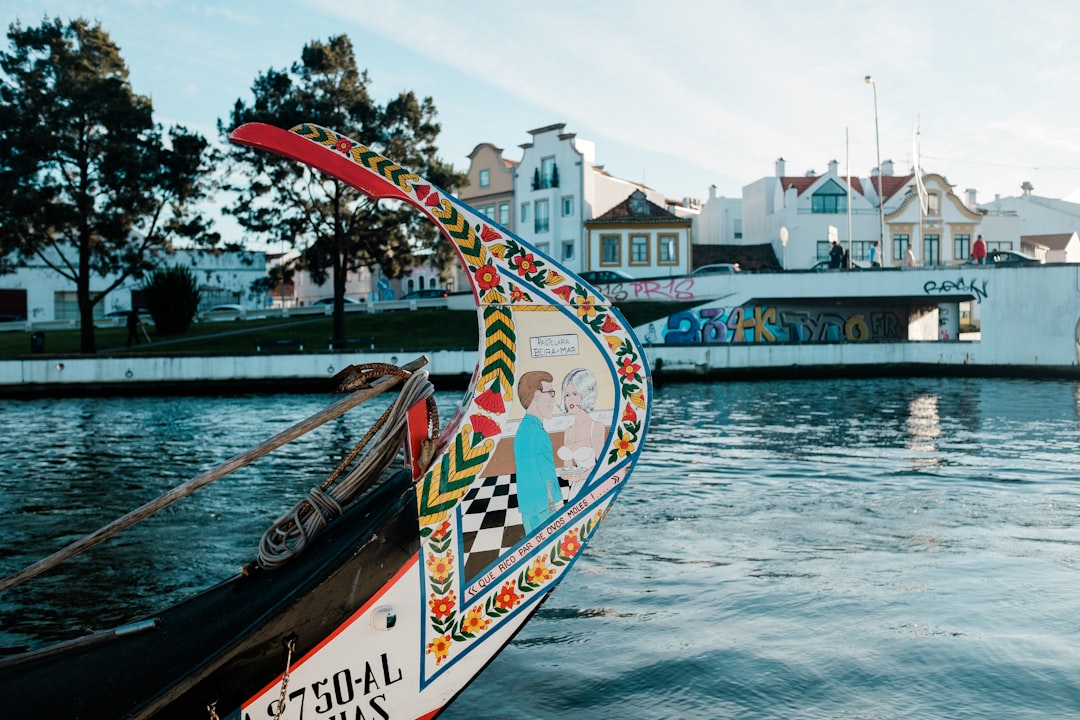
[89,184]
[339,229]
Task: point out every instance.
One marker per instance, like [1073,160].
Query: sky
[677,95]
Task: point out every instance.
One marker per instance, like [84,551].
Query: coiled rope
[290,533]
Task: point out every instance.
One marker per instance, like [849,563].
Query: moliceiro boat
[384,592]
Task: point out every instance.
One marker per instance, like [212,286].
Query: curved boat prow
[518,488]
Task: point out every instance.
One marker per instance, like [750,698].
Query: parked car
[224,312]
[716,269]
[426,294]
[603,277]
[330,301]
[823,265]
[1007,257]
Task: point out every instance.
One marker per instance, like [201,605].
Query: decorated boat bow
[551,427]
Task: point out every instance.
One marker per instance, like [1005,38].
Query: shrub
[172,296]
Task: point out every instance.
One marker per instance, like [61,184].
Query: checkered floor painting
[490,521]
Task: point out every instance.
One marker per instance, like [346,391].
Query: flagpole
[847,160]
[880,175]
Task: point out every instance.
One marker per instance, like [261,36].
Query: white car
[716,269]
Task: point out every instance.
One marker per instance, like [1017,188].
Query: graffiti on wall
[772,324]
[977,289]
[675,289]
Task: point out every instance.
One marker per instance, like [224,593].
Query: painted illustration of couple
[538,490]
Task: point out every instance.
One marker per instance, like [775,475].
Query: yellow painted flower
[539,571]
[638,398]
[586,307]
[474,621]
[440,566]
[439,647]
[624,445]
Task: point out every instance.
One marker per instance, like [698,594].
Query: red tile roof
[622,213]
[802,183]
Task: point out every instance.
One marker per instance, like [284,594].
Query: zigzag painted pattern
[500,350]
[448,481]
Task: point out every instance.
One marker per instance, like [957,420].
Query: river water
[891,548]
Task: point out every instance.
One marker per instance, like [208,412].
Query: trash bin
[37,342]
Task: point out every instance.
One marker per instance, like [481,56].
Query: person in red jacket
[978,251]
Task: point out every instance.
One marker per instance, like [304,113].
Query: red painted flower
[569,545]
[488,234]
[442,531]
[442,607]
[563,292]
[526,264]
[440,566]
[516,295]
[484,425]
[508,597]
[629,369]
[609,325]
[487,277]
[629,414]
[439,647]
[491,401]
[343,145]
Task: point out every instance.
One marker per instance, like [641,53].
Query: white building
[720,221]
[558,186]
[639,238]
[39,294]
[1010,219]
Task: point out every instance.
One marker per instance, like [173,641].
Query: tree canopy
[338,229]
[89,184]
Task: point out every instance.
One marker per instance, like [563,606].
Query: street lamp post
[881,175]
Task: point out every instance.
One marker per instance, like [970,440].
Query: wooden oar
[235,463]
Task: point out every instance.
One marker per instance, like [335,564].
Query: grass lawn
[391,331]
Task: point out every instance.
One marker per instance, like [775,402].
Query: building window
[524,212]
[610,246]
[999,245]
[738,229]
[961,247]
[567,205]
[931,250]
[830,198]
[639,249]
[504,214]
[899,246]
[860,249]
[543,247]
[667,250]
[933,204]
[485,178]
[541,223]
[823,250]
[489,210]
[548,173]
[568,249]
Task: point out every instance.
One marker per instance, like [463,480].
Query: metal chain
[212,709]
[285,680]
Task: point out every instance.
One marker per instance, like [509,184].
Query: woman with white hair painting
[583,440]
